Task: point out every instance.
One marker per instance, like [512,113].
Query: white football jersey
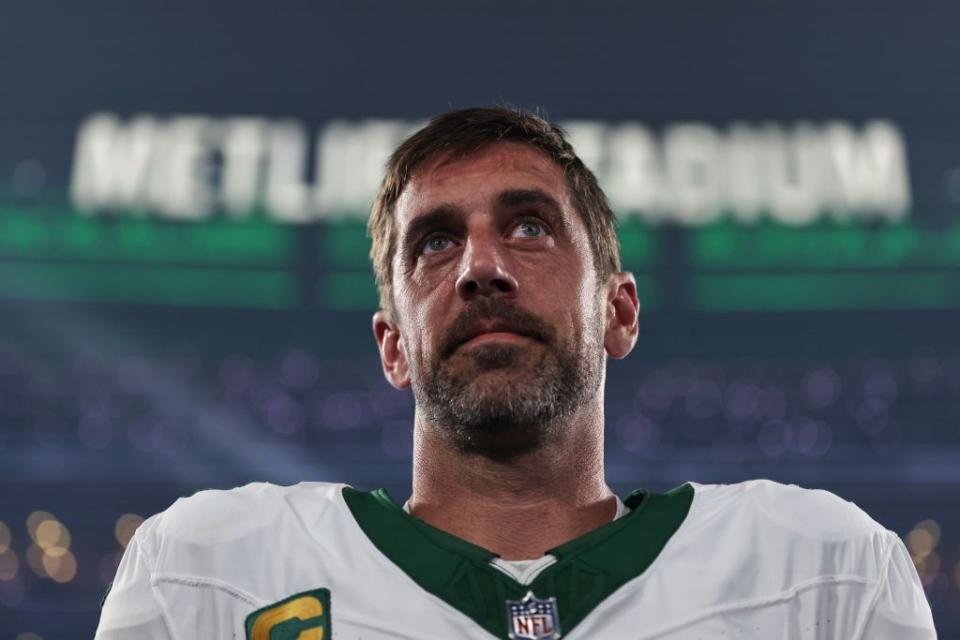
[318,561]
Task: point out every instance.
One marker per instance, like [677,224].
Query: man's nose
[484,271]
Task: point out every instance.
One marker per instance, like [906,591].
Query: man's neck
[520,508]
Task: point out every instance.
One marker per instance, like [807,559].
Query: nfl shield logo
[533,618]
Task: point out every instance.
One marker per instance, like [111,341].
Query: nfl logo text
[533,618]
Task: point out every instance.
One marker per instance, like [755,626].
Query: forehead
[480,176]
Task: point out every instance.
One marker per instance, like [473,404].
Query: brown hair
[467,130]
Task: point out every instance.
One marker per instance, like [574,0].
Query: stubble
[501,399]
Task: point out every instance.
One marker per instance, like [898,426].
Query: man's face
[498,308]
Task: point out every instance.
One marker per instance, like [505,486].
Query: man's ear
[623,310]
[392,353]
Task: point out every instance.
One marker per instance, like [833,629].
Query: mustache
[518,321]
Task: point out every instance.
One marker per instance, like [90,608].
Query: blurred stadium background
[185,293]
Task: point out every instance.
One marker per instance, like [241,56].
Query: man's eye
[436,244]
[531,229]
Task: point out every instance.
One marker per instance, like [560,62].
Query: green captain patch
[304,616]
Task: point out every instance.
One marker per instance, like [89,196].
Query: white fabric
[524,571]
[752,560]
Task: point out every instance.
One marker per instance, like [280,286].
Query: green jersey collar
[588,568]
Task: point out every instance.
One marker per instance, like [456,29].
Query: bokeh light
[822,388]
[637,434]
[50,534]
[5,537]
[742,400]
[35,560]
[60,567]
[923,538]
[125,527]
[922,542]
[299,369]
[34,520]
[49,556]
[9,565]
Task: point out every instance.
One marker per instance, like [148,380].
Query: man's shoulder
[769,542]
[809,534]
[754,554]
[813,513]
[257,511]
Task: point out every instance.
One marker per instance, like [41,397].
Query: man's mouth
[495,321]
[490,328]
[496,336]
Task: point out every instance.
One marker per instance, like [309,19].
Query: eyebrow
[444,215]
[549,204]
[518,197]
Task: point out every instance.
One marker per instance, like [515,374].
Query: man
[501,297]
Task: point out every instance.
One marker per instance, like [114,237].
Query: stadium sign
[191,167]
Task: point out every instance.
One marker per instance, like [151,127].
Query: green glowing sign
[39,233]
[57,254]
[824,246]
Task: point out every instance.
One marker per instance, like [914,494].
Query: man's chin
[494,385]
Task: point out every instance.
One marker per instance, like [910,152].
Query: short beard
[502,421]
